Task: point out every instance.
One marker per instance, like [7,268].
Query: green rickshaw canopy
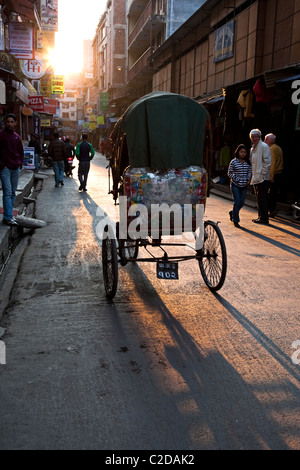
[162,130]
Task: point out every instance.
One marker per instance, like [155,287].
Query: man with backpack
[84,153]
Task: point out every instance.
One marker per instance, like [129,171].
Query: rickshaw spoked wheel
[109,262]
[128,249]
[213,261]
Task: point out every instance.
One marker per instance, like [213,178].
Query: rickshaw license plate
[167,270]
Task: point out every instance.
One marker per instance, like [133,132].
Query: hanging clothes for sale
[245,101]
[262,93]
[225,155]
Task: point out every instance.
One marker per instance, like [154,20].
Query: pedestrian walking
[239,172]
[84,153]
[11,162]
[57,152]
[275,173]
[260,158]
[36,144]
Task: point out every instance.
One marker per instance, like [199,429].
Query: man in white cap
[260,157]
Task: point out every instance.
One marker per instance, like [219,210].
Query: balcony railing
[140,65]
[142,21]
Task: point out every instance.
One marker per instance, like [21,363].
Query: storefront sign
[43,104]
[224,40]
[21,40]
[33,68]
[45,85]
[45,122]
[49,15]
[88,109]
[28,158]
[104,101]
[58,85]
[50,105]
[36,103]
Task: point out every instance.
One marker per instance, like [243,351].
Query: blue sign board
[224,40]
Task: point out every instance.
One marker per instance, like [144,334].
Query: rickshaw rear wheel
[213,261]
[109,262]
[129,249]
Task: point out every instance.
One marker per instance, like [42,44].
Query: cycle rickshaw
[158,148]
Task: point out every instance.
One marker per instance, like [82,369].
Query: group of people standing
[262,170]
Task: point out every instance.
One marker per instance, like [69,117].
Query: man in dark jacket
[84,152]
[11,161]
[57,152]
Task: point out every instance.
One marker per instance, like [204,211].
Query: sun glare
[77,21]
[66,58]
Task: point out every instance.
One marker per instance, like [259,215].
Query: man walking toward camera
[11,162]
[84,152]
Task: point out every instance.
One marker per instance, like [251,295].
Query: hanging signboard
[36,103]
[45,85]
[49,15]
[224,40]
[33,68]
[104,101]
[43,104]
[50,105]
[21,40]
[58,85]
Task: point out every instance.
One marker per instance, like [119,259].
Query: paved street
[167,365]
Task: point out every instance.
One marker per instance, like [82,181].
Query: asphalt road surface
[166,365]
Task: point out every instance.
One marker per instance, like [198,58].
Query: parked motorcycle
[69,167]
[45,158]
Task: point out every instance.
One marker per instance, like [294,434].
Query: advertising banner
[49,9]
[28,158]
[58,85]
[21,40]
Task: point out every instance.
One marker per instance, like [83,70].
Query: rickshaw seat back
[183,190]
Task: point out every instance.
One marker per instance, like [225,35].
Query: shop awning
[289,79]
[23,8]
[280,76]
[211,99]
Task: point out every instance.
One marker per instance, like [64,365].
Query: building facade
[27,30]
